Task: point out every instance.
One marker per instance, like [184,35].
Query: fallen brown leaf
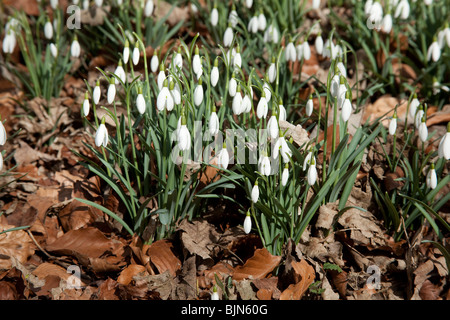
[127,274]
[258,266]
[161,255]
[306,276]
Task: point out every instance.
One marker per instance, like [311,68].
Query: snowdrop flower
[149,6]
[290,52]
[237,60]
[246,104]
[214,16]
[228,37]
[267,90]
[75,48]
[9,42]
[140,101]
[262,21]
[253,24]
[120,73]
[215,73]
[136,53]
[303,51]
[213,122]
[434,51]
[53,50]
[367,7]
[255,192]
[161,76]
[285,175]
[437,87]
[341,67]
[272,125]
[316,4]
[444,37]
[376,13]
[335,82]
[249,3]
[223,158]
[215,294]
[175,93]
[54,4]
[272,71]
[281,147]
[86,104]
[248,223]
[432,178]
[264,166]
[309,157]
[386,23]
[281,111]
[418,116]
[413,106]
[271,34]
[48,30]
[164,99]
[423,130]
[232,85]
[126,52]
[237,101]
[96,93]
[402,10]
[154,62]
[184,136]
[393,124]
[196,63]
[99,3]
[2,134]
[309,106]
[342,90]
[111,94]
[346,108]
[312,173]
[101,136]
[262,108]
[85,4]
[318,44]
[178,60]
[444,145]
[233,17]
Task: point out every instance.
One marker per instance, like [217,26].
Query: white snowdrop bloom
[149,7]
[237,102]
[126,52]
[413,106]
[198,93]
[444,37]
[194,8]
[290,52]
[267,90]
[281,111]
[367,7]
[255,192]
[53,50]
[309,157]
[418,117]
[334,84]
[330,50]
[164,99]
[215,294]
[161,76]
[215,73]
[249,3]
[428,2]
[99,3]
[230,56]
[178,60]
[386,23]
[111,93]
[437,87]
[48,30]
[101,136]
[342,90]
[154,62]
[54,4]
[232,86]
[393,125]
[175,93]
[312,173]
[272,72]
[304,52]
[264,165]
[434,51]
[376,13]
[214,123]
[97,92]
[432,178]
[223,158]
[316,4]
[262,21]
[247,223]
[318,44]
[444,145]
[309,106]
[237,60]
[2,134]
[281,147]
[423,131]
[75,48]
[184,137]
[9,42]
[285,175]
[246,104]
[196,63]
[271,34]
[262,107]
[342,69]
[140,102]
[346,109]
[402,10]
[120,72]
[253,24]
[233,17]
[86,106]
[136,54]
[272,126]
[85,4]
[228,37]
[214,16]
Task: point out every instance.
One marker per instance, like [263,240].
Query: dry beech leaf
[198,237]
[162,257]
[258,266]
[15,244]
[127,274]
[306,275]
[430,291]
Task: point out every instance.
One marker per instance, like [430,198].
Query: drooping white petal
[75,49]
[214,76]
[198,94]
[228,37]
[184,138]
[346,110]
[393,126]
[223,158]
[111,94]
[431,179]
[214,124]
[255,193]
[136,55]
[154,62]
[140,103]
[214,17]
[96,94]
[247,224]
[423,131]
[272,72]
[86,107]
[149,6]
[312,174]
[262,108]
[284,177]
[272,127]
[318,43]
[2,134]
[309,107]
[101,136]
